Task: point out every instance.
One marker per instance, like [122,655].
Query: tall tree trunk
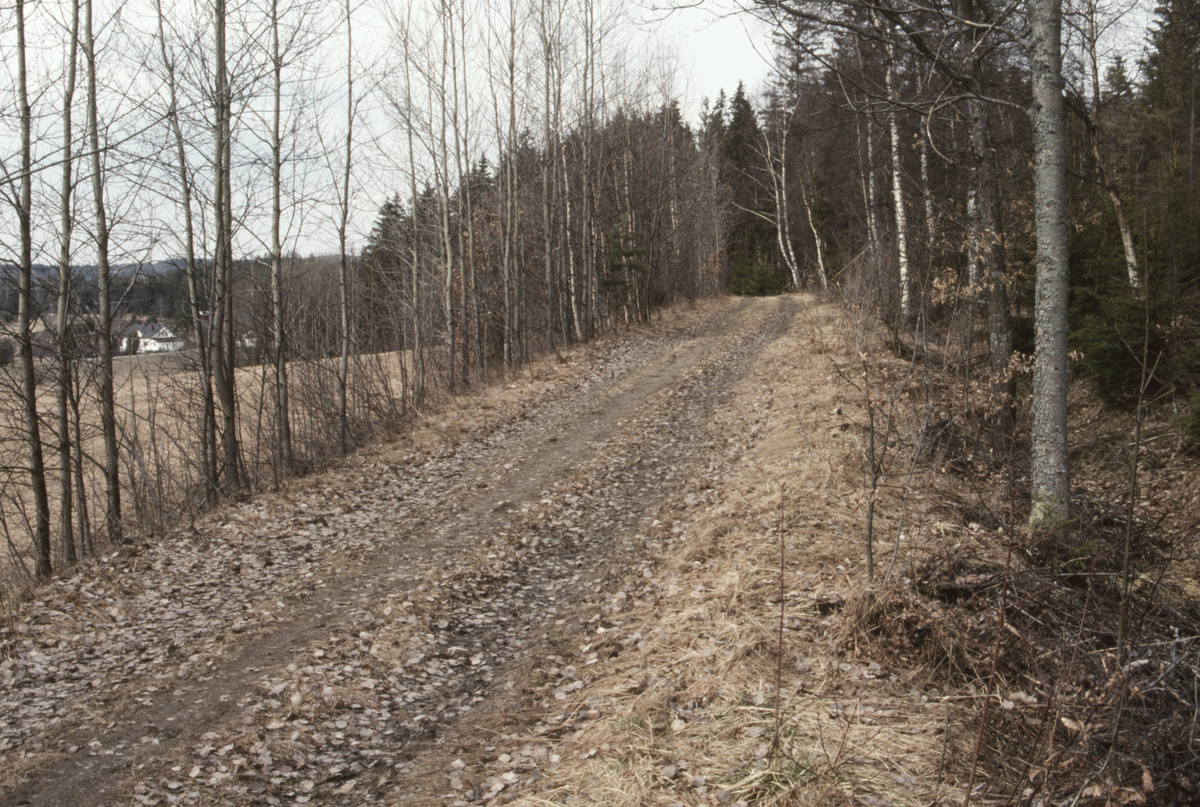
[223,345]
[470,283]
[65,345]
[416,344]
[585,215]
[108,421]
[866,167]
[907,306]
[511,221]
[777,167]
[988,244]
[33,436]
[464,207]
[573,293]
[1092,123]
[818,243]
[196,303]
[549,39]
[283,429]
[927,195]
[343,223]
[448,50]
[1050,476]
[86,544]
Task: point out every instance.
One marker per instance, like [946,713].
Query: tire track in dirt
[493,564]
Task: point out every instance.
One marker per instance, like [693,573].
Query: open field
[159,420]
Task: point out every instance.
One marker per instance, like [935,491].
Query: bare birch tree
[342,225]
[21,190]
[223,343]
[64,344]
[283,430]
[196,303]
[1094,124]
[104,302]
[907,309]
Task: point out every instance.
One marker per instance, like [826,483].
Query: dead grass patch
[756,686]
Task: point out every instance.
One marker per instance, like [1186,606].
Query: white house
[150,339]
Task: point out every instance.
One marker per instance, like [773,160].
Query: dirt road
[344,640]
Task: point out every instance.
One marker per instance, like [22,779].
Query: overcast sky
[717,49]
[713,50]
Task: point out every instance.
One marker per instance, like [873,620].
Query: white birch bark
[907,309]
[927,194]
[1095,139]
[777,170]
[818,242]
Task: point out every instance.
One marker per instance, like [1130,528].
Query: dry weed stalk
[880,395]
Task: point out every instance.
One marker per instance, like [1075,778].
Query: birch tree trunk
[548,31]
[818,243]
[283,429]
[416,345]
[108,421]
[510,181]
[866,166]
[777,168]
[463,200]
[927,195]
[906,285]
[573,280]
[585,214]
[33,436]
[65,345]
[222,325]
[443,157]
[1095,131]
[343,267]
[987,245]
[196,303]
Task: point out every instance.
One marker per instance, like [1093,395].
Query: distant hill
[151,269]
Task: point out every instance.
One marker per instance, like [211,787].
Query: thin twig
[775,748]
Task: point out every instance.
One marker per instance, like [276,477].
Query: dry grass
[711,707]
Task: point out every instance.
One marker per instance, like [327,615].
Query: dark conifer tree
[754,264]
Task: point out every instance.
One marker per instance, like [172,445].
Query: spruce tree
[754,264]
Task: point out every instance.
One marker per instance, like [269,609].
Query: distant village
[154,316]
[131,338]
